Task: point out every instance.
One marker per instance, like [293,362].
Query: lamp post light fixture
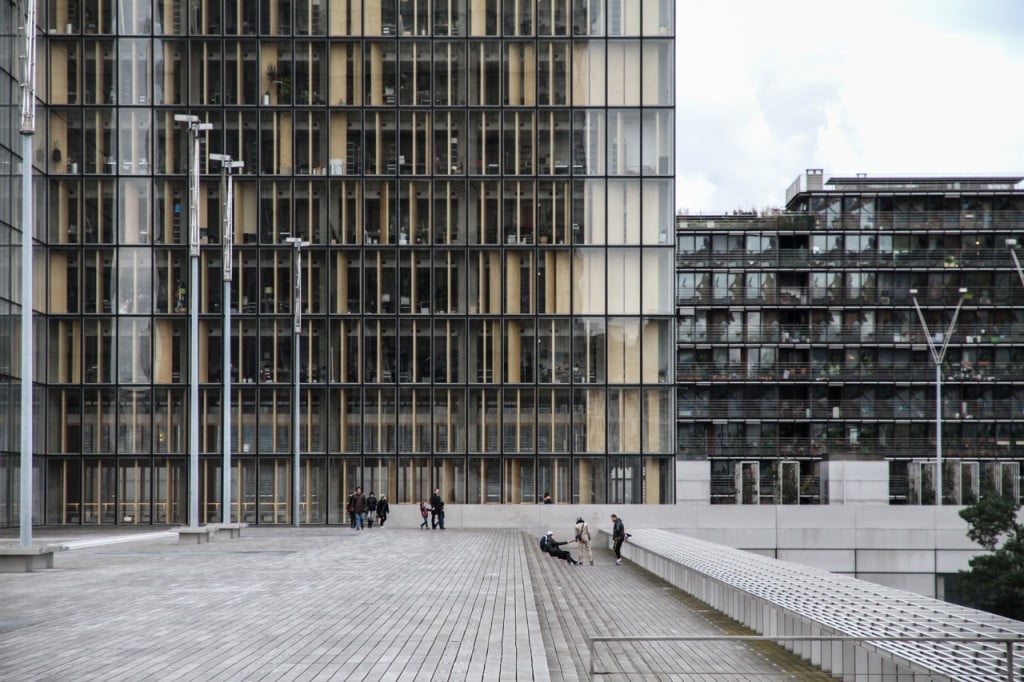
[194,128]
[938,355]
[1011,244]
[298,244]
[228,221]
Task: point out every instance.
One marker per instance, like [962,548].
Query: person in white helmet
[551,546]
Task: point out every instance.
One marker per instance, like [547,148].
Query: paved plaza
[332,603]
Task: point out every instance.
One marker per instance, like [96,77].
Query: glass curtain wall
[470,176]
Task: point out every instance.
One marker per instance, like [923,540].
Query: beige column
[513,344]
[343,419]
[529,71]
[652,481]
[595,421]
[586,490]
[341,282]
[163,360]
[376,94]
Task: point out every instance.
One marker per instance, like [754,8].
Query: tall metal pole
[298,244]
[194,126]
[28,128]
[938,355]
[228,221]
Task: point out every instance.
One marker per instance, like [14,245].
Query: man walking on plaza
[618,537]
[583,541]
[358,507]
[436,509]
[371,509]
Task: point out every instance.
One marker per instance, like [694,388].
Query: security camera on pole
[194,128]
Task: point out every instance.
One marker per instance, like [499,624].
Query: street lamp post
[298,244]
[27,130]
[194,127]
[228,220]
[938,355]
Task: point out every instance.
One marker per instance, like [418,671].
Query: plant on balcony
[279,79]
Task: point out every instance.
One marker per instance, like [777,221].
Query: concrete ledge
[199,535]
[227,530]
[775,597]
[27,559]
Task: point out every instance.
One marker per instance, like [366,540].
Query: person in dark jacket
[383,510]
[371,509]
[618,537]
[351,513]
[436,509]
[358,507]
[551,546]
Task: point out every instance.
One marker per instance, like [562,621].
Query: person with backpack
[583,541]
[371,509]
[383,509]
[551,546]
[619,536]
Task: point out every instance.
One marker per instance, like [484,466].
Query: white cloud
[765,90]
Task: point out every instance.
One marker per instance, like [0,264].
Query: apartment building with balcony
[482,183]
[799,347]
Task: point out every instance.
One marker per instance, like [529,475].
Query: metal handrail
[1008,641]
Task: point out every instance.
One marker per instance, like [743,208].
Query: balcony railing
[977,372]
[796,448]
[837,258]
[866,295]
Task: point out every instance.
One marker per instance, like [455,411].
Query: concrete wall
[858,534]
[899,546]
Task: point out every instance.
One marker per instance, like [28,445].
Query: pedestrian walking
[551,546]
[358,507]
[351,512]
[383,510]
[583,541]
[371,509]
[436,510]
[619,536]
[424,512]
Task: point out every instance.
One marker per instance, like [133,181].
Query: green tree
[995,581]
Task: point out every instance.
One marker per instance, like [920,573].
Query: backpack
[543,543]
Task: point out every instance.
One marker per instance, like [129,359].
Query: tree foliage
[995,581]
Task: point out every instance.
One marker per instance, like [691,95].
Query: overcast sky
[768,88]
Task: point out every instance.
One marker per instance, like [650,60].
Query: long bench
[774,597]
[229,530]
[210,531]
[199,534]
[18,559]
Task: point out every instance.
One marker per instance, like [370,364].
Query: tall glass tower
[487,189]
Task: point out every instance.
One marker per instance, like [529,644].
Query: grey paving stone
[330,604]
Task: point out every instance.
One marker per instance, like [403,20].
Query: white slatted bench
[774,597]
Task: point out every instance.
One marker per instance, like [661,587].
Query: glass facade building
[482,183]
[798,343]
